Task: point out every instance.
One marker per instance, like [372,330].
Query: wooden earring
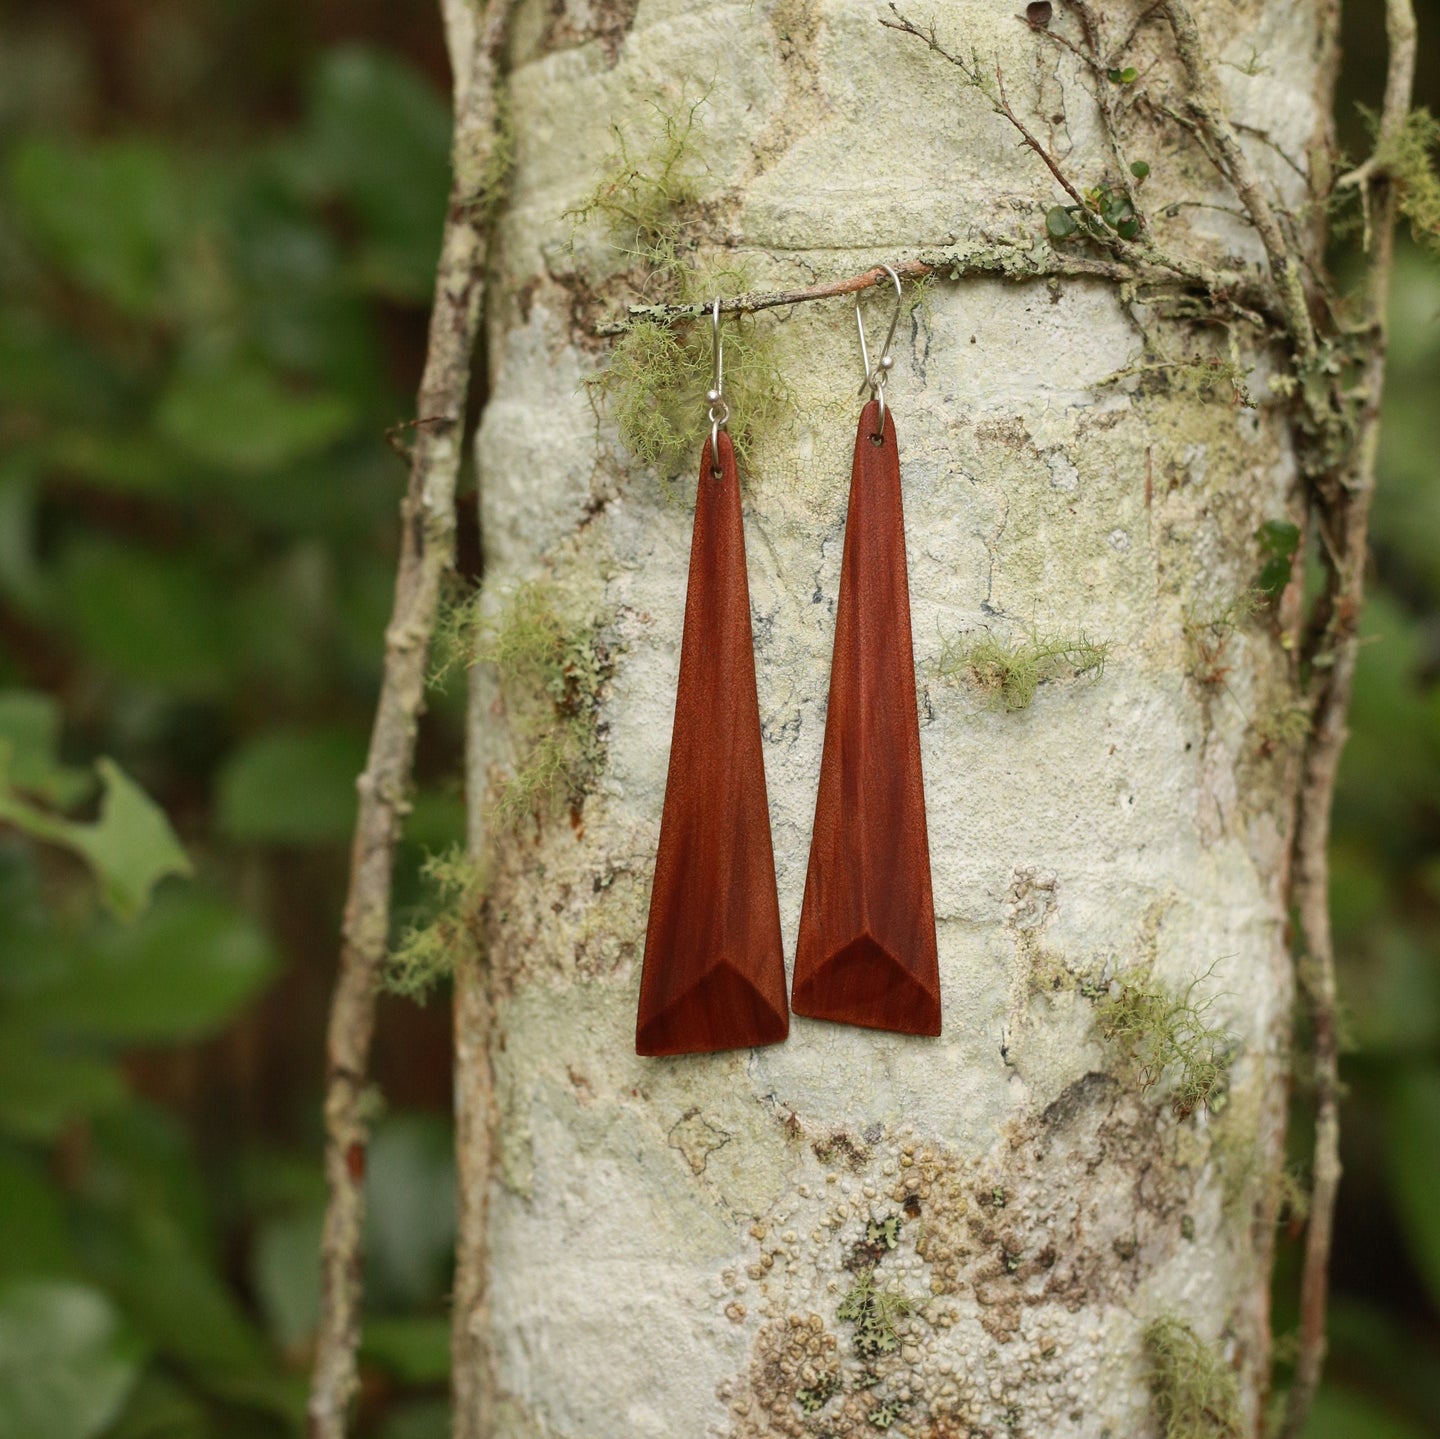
[714,970]
[866,952]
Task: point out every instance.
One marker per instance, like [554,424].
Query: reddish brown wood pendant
[714,974]
[866,952]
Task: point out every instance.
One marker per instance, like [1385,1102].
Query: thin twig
[994,94]
[426,554]
[1310,886]
[1205,106]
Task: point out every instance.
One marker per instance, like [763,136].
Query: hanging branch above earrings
[993,259]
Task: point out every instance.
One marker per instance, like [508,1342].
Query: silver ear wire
[719,411]
[874,379]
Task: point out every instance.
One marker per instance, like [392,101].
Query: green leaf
[1344,1414]
[42,1090]
[109,214]
[30,725]
[1279,537]
[66,1363]
[158,1408]
[1115,208]
[36,1241]
[1128,229]
[1274,576]
[1139,169]
[150,616]
[285,1269]
[415,1349]
[1059,222]
[380,135]
[295,787]
[410,1186]
[1413,1149]
[241,418]
[180,972]
[1127,76]
[416,1419]
[130,848]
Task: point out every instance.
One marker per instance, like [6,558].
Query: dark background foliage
[218,222]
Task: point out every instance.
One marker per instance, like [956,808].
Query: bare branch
[427,553]
[1349,529]
[1230,291]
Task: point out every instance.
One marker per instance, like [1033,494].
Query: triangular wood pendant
[866,952]
[714,973]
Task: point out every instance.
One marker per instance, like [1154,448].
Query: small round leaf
[1060,223]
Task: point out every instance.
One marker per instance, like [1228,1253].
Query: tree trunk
[1016,1229]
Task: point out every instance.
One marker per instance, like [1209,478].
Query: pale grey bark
[670,1245]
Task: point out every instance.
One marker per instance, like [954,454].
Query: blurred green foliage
[208,320]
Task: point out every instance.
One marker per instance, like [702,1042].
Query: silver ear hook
[719,410]
[874,379]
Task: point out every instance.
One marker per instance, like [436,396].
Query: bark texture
[857,1230]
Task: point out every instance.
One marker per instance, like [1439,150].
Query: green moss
[454,642]
[657,378]
[649,204]
[1009,674]
[489,185]
[650,180]
[551,667]
[1409,158]
[1163,1036]
[429,947]
[1195,1394]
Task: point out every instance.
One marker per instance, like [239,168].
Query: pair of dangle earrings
[714,970]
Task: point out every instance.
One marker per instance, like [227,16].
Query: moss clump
[1194,1393]
[649,204]
[650,183]
[1009,674]
[1409,159]
[1167,1036]
[551,669]
[455,639]
[657,378]
[429,947]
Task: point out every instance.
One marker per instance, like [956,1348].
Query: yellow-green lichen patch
[650,206]
[1195,1394]
[449,926]
[1169,1037]
[1008,673]
[552,666]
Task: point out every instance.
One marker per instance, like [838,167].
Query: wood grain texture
[866,952]
[714,972]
